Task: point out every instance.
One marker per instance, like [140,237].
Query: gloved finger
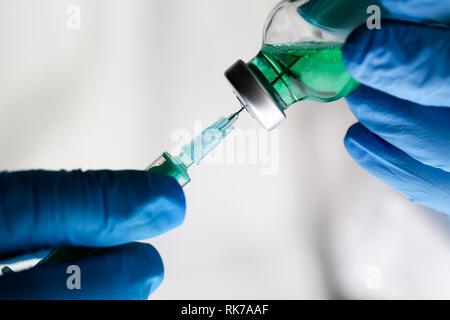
[131,271]
[42,209]
[406,60]
[338,18]
[422,132]
[419,10]
[421,183]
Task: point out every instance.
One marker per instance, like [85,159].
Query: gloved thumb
[130,271]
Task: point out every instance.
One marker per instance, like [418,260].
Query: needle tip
[234,115]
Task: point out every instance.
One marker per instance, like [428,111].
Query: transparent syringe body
[193,152]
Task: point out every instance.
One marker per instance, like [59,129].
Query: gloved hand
[403,107]
[40,209]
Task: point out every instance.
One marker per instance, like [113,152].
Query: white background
[111,94]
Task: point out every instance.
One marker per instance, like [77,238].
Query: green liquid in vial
[308,70]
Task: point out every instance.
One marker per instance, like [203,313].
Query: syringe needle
[242,109]
[230,120]
[234,115]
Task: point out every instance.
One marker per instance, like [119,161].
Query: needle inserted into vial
[195,151]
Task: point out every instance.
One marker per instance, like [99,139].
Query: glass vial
[297,61]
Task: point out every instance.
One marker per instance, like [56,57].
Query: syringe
[176,167]
[195,151]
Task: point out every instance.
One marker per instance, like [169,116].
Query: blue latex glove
[403,134]
[41,209]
